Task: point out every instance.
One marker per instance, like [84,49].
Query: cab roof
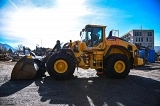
[94,25]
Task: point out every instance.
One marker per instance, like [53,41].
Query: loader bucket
[24,69]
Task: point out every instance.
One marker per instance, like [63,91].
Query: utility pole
[41,43]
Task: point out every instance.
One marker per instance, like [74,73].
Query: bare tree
[10,51]
[3,49]
[158,52]
[20,48]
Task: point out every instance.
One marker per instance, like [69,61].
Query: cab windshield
[92,36]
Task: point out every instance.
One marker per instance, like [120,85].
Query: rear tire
[61,66]
[117,66]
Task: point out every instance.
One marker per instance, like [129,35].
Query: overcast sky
[32,22]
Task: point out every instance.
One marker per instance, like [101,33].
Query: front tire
[61,66]
[117,66]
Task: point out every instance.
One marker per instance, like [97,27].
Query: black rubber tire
[109,66]
[41,69]
[61,56]
[47,57]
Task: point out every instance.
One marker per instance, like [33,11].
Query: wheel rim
[119,66]
[60,66]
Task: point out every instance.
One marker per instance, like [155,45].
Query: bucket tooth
[24,69]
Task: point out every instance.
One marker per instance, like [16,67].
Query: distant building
[140,37]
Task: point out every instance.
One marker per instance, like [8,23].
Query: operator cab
[92,35]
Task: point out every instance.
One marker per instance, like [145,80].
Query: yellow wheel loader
[110,55]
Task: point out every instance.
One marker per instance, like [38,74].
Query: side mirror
[80,33]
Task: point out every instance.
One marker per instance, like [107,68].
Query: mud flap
[24,69]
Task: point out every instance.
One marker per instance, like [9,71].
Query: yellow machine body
[111,55]
[94,56]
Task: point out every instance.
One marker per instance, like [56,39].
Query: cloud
[33,21]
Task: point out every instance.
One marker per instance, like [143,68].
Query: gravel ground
[140,88]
